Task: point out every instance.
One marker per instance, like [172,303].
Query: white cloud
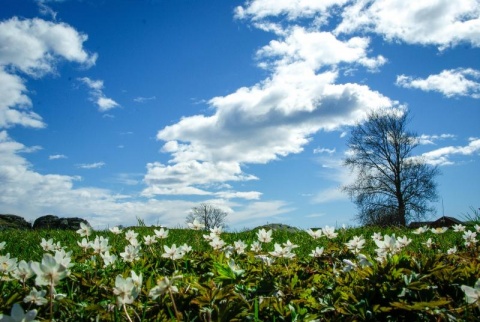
[450,83]
[248,195]
[15,104]
[430,139]
[181,178]
[95,165]
[442,156]
[31,195]
[318,49]
[141,99]
[33,47]
[324,150]
[443,23]
[292,9]
[256,213]
[273,118]
[57,156]
[96,92]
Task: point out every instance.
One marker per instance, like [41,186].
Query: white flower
[439,230]
[85,230]
[163,285]
[2,245]
[429,243]
[134,242]
[458,228]
[239,246]
[377,236]
[282,252]
[84,244]
[149,240]
[477,228]
[420,230]
[314,234]
[130,234]
[264,236]
[216,230]
[137,279]
[18,315]
[173,252]
[23,271]
[265,259]
[48,245]
[116,230]
[317,252]
[162,233]
[452,250]
[349,265]
[217,243]
[131,253]
[256,247]
[356,244]
[363,260]
[470,238]
[403,242]
[329,232]
[289,246]
[49,271]
[108,259]
[126,290]
[196,225]
[7,264]
[235,268]
[388,245]
[472,294]
[100,245]
[36,297]
[209,237]
[63,258]
[185,248]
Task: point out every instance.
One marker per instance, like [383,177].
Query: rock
[13,222]
[54,222]
[284,227]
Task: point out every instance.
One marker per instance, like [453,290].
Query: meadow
[160,274]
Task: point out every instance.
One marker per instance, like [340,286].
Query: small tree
[392,186]
[208,215]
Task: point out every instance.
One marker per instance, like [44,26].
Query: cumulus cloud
[291,9]
[450,83]
[276,116]
[33,47]
[96,94]
[441,23]
[31,195]
[443,156]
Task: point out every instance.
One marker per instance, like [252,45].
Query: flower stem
[177,314]
[126,313]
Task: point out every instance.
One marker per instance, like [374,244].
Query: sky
[120,111]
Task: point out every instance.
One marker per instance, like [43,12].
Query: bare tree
[392,186]
[208,215]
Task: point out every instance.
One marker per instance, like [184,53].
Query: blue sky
[118,110]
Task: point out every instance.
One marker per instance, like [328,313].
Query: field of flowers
[159,274]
